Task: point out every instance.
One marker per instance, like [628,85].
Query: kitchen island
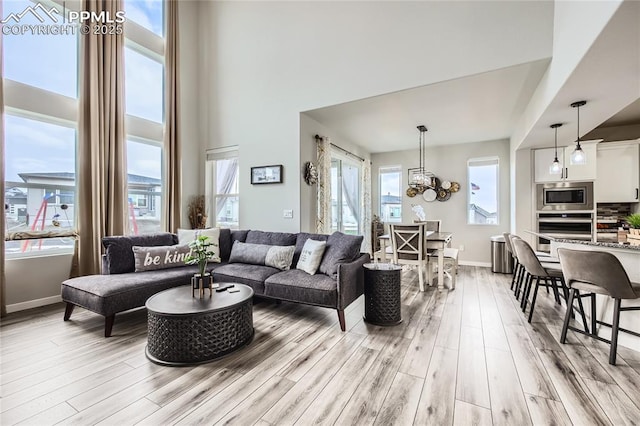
[629,256]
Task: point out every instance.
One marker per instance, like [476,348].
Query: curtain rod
[318,137]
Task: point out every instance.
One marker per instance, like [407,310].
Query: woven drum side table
[185,330]
[382,304]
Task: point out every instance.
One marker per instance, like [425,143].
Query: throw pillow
[261,254]
[161,257]
[119,253]
[341,248]
[185,236]
[311,256]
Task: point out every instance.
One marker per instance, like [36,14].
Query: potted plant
[200,255]
[634,223]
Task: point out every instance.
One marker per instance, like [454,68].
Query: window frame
[211,196]
[387,170]
[478,163]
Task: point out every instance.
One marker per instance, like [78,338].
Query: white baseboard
[472,263]
[29,304]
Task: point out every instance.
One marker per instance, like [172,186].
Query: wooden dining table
[435,240]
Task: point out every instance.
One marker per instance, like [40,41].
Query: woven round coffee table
[382,303]
[186,330]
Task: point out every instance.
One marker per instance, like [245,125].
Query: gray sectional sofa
[120,288]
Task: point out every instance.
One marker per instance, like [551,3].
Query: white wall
[450,163]
[269,61]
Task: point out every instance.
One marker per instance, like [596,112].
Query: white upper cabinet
[618,179]
[544,157]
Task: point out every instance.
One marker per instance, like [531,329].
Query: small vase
[200,283]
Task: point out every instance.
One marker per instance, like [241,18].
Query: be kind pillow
[186,236]
[159,257]
[311,256]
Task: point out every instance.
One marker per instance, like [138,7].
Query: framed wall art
[266,174]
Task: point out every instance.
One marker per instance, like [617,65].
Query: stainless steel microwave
[565,196]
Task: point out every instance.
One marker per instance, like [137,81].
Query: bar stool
[542,272]
[520,273]
[597,272]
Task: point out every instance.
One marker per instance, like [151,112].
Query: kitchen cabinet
[618,172]
[544,157]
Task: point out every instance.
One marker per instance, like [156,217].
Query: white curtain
[225,185]
[365,216]
[350,186]
[323,217]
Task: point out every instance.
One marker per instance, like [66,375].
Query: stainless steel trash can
[501,259]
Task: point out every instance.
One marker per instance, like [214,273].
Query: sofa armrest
[351,280]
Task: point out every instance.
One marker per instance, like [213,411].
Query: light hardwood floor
[462,357]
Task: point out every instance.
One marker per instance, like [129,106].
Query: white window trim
[381,171]
[213,155]
[488,160]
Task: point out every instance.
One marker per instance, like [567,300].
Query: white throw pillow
[185,236]
[311,256]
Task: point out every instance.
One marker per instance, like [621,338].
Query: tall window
[41,90]
[222,187]
[390,196]
[484,184]
[144,105]
[345,195]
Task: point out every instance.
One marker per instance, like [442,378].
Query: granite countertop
[597,244]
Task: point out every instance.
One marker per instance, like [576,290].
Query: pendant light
[578,156]
[422,178]
[556,167]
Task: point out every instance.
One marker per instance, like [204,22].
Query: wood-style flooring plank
[131,414]
[177,408]
[255,405]
[294,403]
[437,401]
[547,412]
[472,385]
[578,401]
[364,405]
[466,414]
[615,403]
[508,406]
[416,360]
[399,408]
[51,416]
[216,407]
[328,405]
[533,375]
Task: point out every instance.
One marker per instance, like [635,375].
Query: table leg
[383,251]
[441,267]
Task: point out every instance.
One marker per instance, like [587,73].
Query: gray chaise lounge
[119,288]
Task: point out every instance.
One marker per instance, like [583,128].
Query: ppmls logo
[38,11]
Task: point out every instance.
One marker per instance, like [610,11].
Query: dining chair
[597,272]
[408,246]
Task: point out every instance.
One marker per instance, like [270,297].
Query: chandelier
[421,179]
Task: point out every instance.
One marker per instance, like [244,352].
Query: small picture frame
[266,174]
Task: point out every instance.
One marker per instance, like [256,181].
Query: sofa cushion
[298,286]
[119,252]
[159,257]
[227,238]
[243,273]
[341,248]
[301,239]
[271,238]
[259,254]
[311,256]
[187,236]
